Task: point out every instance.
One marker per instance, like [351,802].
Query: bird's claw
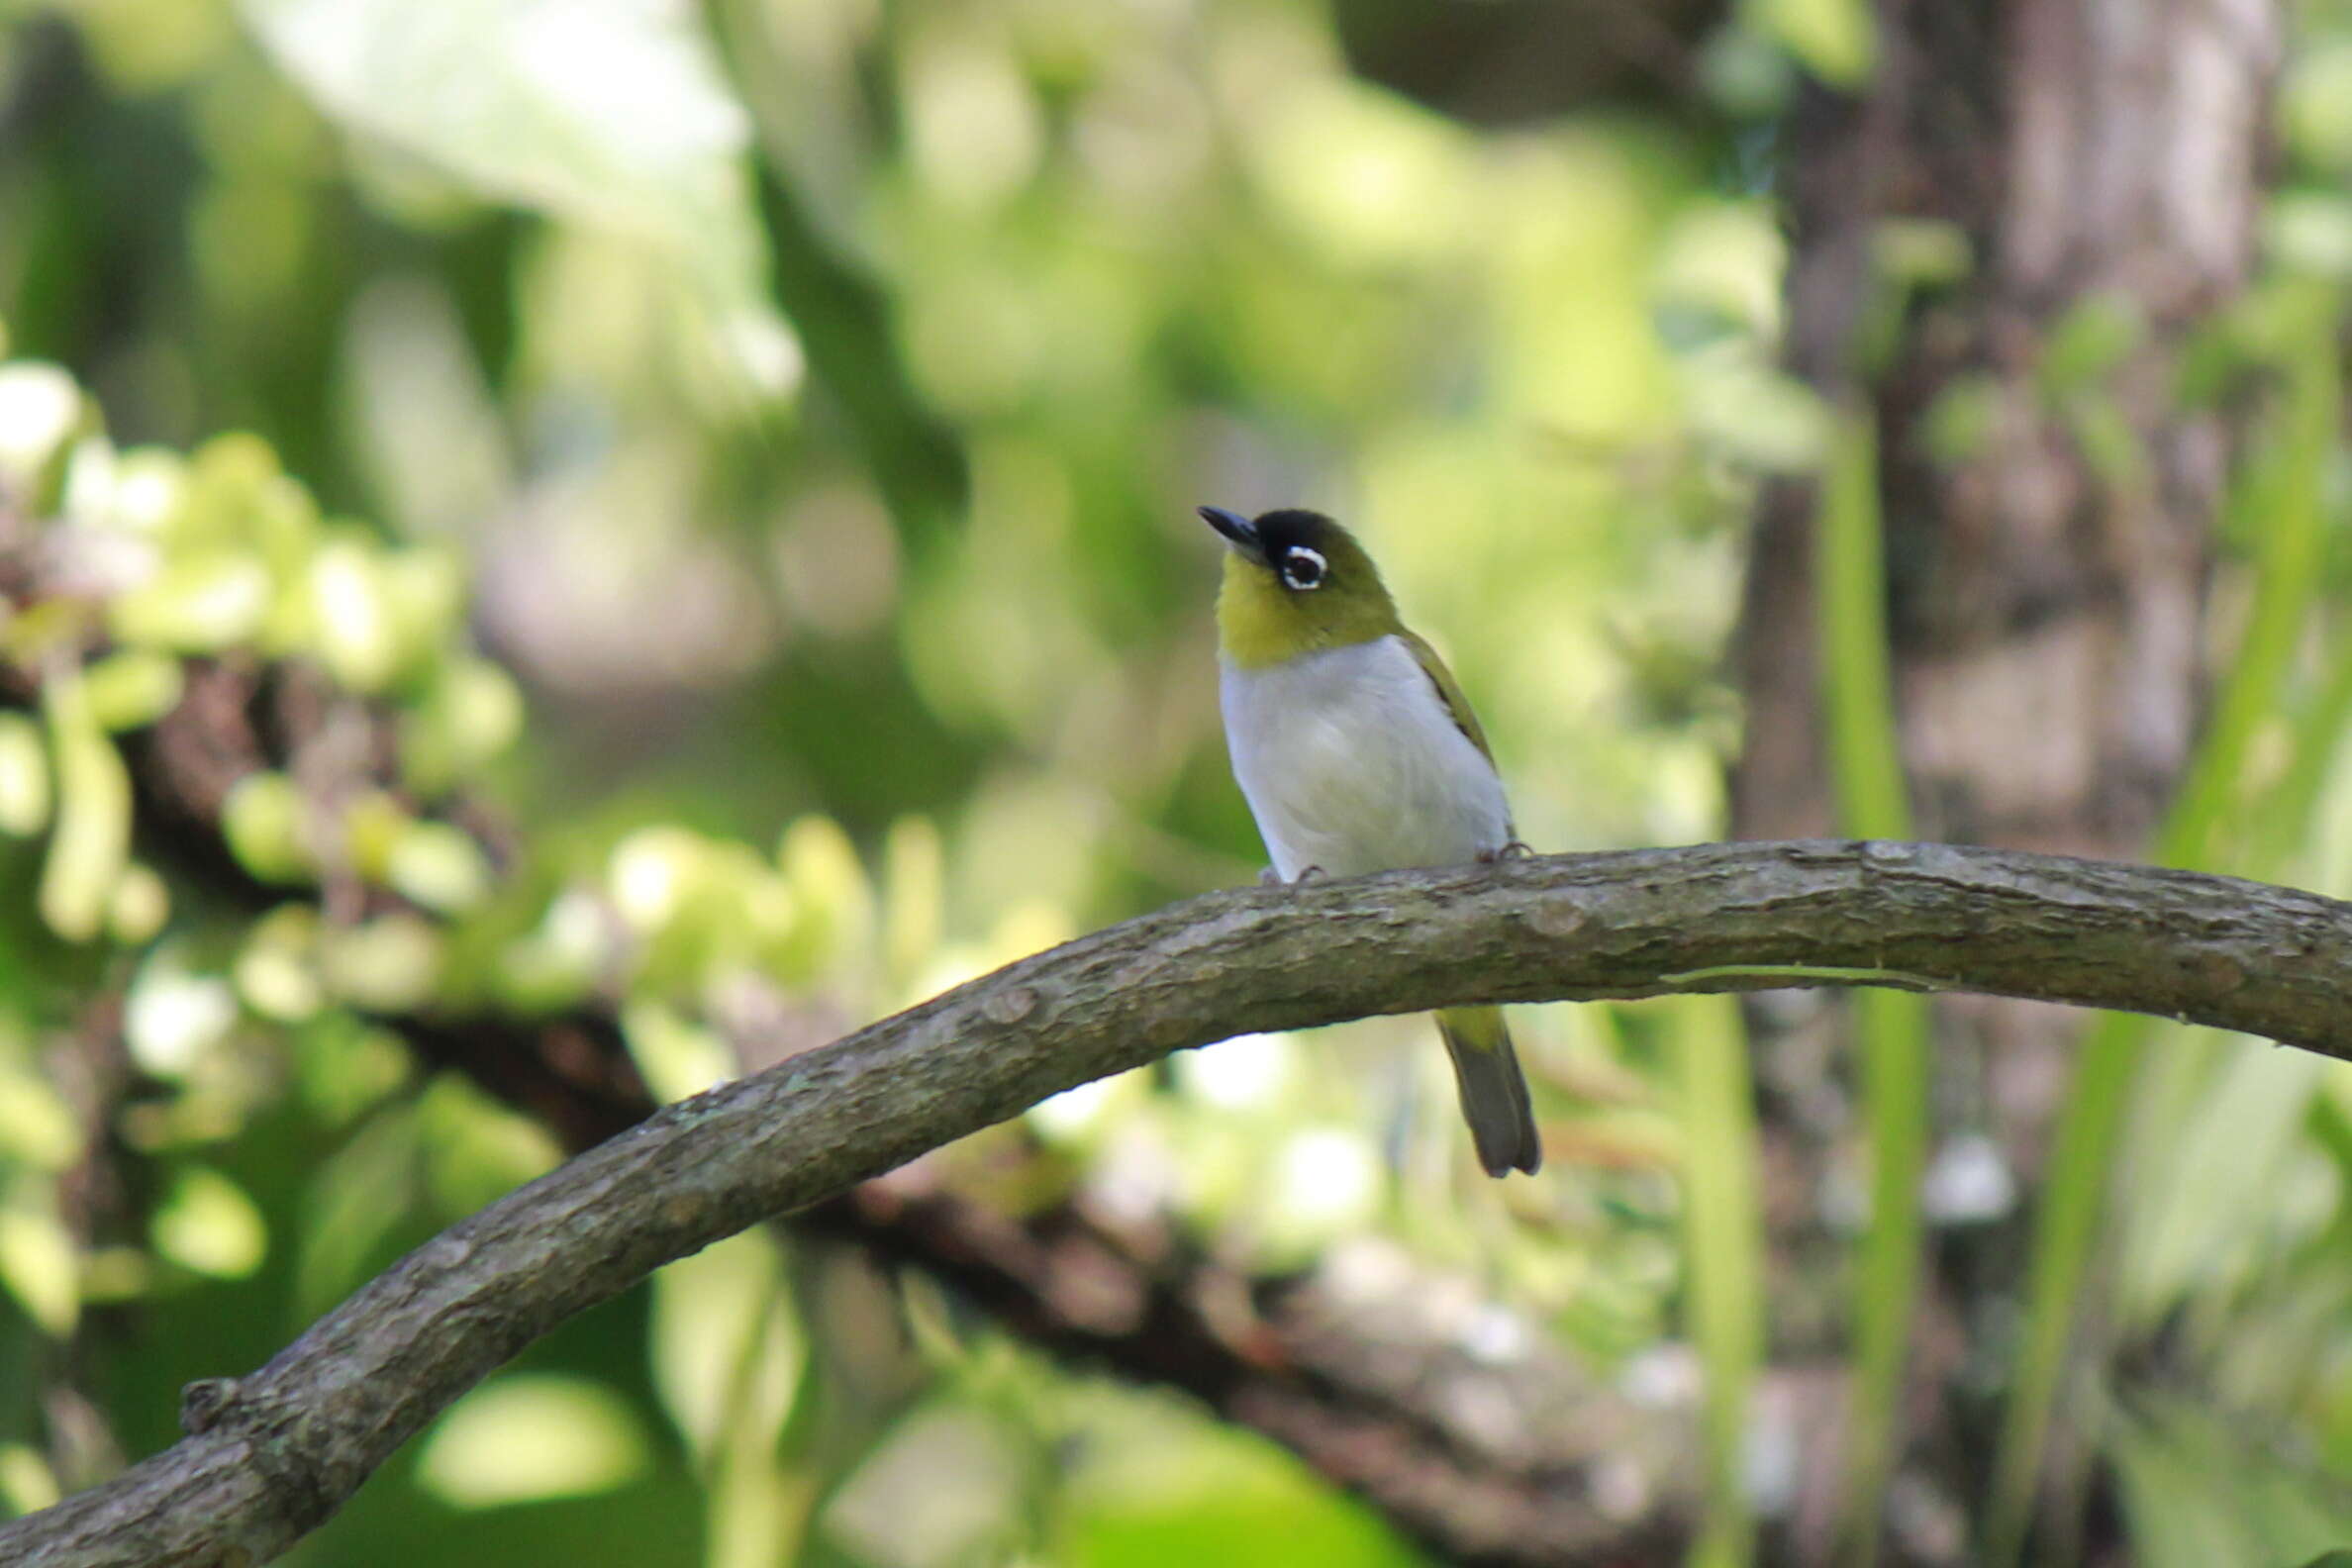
[1516,849]
[1270,877]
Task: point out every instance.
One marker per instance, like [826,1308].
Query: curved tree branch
[271,1455]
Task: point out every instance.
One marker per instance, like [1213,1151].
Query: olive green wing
[1448,689]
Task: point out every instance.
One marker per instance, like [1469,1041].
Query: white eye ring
[1303,567]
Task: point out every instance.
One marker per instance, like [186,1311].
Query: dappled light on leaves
[527,1438]
[560,553]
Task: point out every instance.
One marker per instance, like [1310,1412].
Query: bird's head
[1295,582]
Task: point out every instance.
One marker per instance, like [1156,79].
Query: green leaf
[263,822]
[1857,683]
[199,603]
[1914,253]
[610,113]
[2316,99]
[531,1436]
[833,899]
[347,1067]
[38,1129]
[1835,39]
[1959,424]
[439,866]
[2089,343]
[1151,1490]
[26,1480]
[2281,495]
[92,842]
[140,907]
[42,410]
[351,617]
[468,714]
[477,1149]
[357,1199]
[676,1057]
[945,1487]
[37,1266]
[2200,1488]
[727,1351]
[226,480]
[2109,444]
[388,964]
[558,962]
[207,1223]
[914,895]
[2310,232]
[1891,1030]
[276,971]
[133,689]
[24,776]
[2188,1218]
[1723,1240]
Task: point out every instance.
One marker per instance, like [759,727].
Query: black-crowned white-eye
[1358,753]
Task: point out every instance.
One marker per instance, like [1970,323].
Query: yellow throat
[1259,622]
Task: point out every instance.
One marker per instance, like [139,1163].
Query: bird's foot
[1270,877]
[1516,849]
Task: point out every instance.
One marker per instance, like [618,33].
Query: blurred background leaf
[673,523]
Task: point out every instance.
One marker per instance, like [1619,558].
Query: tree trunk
[2048,498]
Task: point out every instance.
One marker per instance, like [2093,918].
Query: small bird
[1358,753]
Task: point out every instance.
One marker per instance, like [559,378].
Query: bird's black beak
[1237,529]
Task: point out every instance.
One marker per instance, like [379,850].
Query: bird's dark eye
[1303,567]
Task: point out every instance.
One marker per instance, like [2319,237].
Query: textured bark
[2048,516]
[272,1454]
[2047,597]
[2047,590]
[2049,611]
[2050,620]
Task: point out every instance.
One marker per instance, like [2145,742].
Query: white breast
[1351,762]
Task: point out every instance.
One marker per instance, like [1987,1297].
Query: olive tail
[1494,1094]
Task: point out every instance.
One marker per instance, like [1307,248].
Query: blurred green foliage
[779,426]
[755,447]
